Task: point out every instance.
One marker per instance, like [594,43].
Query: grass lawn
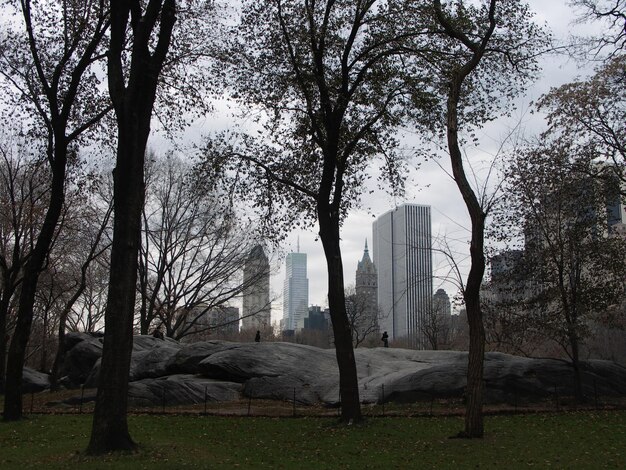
[568,440]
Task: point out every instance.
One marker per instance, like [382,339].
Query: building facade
[295,292]
[441,303]
[256,305]
[403,260]
[366,297]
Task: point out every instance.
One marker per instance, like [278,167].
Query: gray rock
[180,389]
[190,355]
[153,362]
[34,381]
[277,370]
[82,353]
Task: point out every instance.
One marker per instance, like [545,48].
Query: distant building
[295,292]
[367,279]
[256,311]
[217,322]
[441,303]
[403,260]
[225,319]
[365,304]
[317,319]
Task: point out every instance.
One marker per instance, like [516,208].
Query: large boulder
[182,372]
[34,381]
[150,358]
[83,351]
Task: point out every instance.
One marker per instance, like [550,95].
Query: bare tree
[496,44]
[193,250]
[363,315]
[594,110]
[572,269]
[23,198]
[52,63]
[612,15]
[437,324]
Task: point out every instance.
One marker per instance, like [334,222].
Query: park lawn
[569,440]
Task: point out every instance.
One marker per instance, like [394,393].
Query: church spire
[366,250]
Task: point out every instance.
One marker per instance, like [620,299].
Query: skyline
[429,183]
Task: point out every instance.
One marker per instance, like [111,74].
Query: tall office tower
[366,290]
[403,259]
[256,310]
[296,292]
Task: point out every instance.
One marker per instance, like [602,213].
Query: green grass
[570,440]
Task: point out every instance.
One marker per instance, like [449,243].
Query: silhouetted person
[385,339]
[157,333]
[257,338]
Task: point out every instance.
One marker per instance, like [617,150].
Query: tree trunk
[473,414]
[474,395]
[21,334]
[110,428]
[348,380]
[4,314]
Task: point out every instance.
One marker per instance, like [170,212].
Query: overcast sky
[429,184]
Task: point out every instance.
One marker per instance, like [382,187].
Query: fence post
[383,399]
[163,399]
[556,398]
[82,397]
[339,404]
[294,402]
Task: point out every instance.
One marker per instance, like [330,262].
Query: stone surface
[34,381]
[83,350]
[180,373]
[180,389]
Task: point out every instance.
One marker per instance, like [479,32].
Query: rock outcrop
[172,373]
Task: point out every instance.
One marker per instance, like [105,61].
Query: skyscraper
[296,292]
[403,259]
[256,310]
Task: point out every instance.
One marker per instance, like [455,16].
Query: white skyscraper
[296,292]
[403,259]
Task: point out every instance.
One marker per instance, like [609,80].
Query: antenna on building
[366,245]
[298,245]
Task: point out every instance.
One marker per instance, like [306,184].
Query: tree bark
[4,314]
[348,380]
[110,428]
[21,334]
